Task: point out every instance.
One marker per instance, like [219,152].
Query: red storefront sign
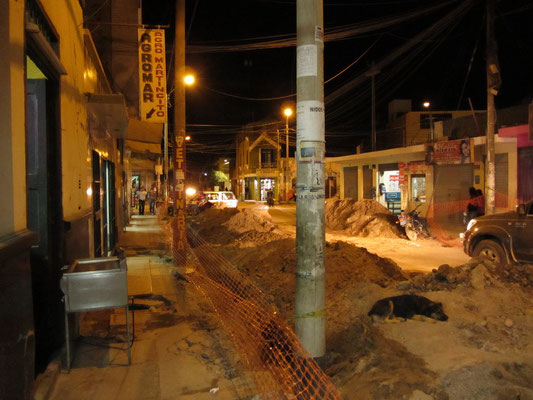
[450,152]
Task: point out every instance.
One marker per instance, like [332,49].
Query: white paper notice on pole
[306,61]
[310,120]
[319,34]
[152,76]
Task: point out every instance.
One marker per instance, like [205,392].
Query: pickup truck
[503,238]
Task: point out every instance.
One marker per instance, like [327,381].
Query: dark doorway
[525,171]
[97,204]
[109,214]
[350,183]
[331,187]
[44,204]
[367,182]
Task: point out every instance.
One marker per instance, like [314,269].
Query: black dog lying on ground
[406,306]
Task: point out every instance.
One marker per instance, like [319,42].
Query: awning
[145,131]
[107,115]
[143,147]
[137,164]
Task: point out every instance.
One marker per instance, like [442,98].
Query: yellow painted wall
[12,118]
[67,19]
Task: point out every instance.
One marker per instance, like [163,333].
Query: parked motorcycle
[197,206]
[414,224]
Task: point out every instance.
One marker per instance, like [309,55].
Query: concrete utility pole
[278,163]
[310,317]
[492,90]
[165,157]
[287,170]
[179,233]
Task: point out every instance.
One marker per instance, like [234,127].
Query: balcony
[268,165]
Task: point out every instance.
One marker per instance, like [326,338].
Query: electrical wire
[331,34]
[472,57]
[250,98]
[352,64]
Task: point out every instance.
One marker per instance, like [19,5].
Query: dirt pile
[225,225]
[272,265]
[365,218]
[478,273]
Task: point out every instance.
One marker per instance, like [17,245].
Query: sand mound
[478,273]
[225,225]
[365,218]
[273,265]
[251,220]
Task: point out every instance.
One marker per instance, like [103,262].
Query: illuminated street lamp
[189,80]
[288,113]
[427,105]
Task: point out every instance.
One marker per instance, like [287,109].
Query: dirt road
[422,255]
[482,352]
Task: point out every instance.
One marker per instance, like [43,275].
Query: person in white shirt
[142,200]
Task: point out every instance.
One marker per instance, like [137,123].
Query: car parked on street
[503,237]
[223,198]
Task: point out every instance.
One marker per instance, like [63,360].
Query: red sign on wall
[450,152]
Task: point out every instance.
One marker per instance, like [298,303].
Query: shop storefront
[434,178]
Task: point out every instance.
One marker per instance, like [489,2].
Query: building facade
[434,176]
[260,166]
[63,136]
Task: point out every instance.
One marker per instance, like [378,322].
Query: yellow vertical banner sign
[152,76]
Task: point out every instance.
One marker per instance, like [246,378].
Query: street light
[288,113]
[189,80]
[427,105]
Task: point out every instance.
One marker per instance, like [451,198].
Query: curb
[45,382]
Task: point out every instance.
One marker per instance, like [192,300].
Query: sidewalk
[179,351]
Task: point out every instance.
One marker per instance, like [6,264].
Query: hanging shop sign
[401,172]
[152,76]
[450,152]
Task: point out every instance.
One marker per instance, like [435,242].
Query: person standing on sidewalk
[142,200]
[152,197]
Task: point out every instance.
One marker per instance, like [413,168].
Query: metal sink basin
[95,284]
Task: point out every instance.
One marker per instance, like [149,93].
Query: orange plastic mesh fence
[445,219]
[280,367]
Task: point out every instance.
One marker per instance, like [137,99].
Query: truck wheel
[491,250]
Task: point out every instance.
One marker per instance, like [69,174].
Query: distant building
[411,170]
[407,128]
[259,166]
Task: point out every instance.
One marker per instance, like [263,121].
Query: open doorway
[267,184]
[44,203]
[389,193]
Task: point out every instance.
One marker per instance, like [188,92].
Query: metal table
[95,284]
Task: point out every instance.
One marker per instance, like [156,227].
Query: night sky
[447,66]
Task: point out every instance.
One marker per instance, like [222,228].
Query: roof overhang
[145,131]
[107,115]
[143,147]
[384,156]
